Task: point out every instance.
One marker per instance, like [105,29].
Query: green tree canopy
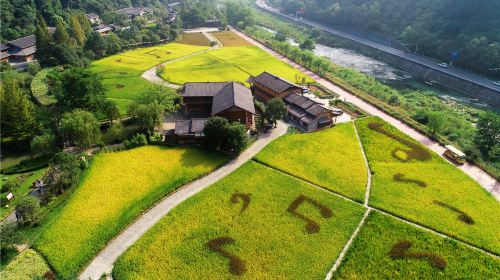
[81,128]
[488,132]
[275,111]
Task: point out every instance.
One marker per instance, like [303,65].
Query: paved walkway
[486,181]
[103,262]
[151,75]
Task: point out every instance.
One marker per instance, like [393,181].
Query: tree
[96,44]
[43,42]
[215,131]
[64,171]
[9,237]
[488,132]
[149,116]
[308,44]
[167,98]
[112,112]
[61,35]
[76,29]
[43,144]
[79,88]
[28,209]
[18,112]
[113,44]
[236,137]
[81,128]
[275,111]
[436,121]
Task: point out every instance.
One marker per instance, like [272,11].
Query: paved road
[399,53]
[103,262]
[151,75]
[485,180]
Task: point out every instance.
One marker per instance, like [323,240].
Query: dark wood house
[306,113]
[189,131]
[20,50]
[267,86]
[230,100]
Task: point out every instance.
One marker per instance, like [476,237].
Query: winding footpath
[484,179]
[103,262]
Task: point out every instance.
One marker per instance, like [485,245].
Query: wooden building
[20,50]
[190,131]
[230,100]
[135,12]
[306,113]
[267,86]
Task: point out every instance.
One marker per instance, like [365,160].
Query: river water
[389,75]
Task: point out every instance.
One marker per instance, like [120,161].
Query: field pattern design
[461,199]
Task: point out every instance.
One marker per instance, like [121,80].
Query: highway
[399,53]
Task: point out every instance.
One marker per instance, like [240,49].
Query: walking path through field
[151,75]
[103,262]
[484,179]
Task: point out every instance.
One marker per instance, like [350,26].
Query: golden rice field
[230,39]
[330,158]
[245,217]
[195,39]
[117,188]
[27,265]
[413,182]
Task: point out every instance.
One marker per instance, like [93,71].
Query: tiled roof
[133,11]
[24,42]
[273,82]
[202,89]
[184,127]
[303,107]
[24,52]
[233,94]
[92,15]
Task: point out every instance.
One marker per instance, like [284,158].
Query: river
[389,75]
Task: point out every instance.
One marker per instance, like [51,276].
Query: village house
[267,86]
[229,100]
[306,113]
[20,50]
[103,29]
[302,111]
[134,12]
[93,18]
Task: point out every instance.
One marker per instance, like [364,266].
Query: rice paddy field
[117,188]
[236,63]
[412,182]
[230,39]
[373,255]
[195,39]
[330,158]
[122,72]
[28,265]
[257,223]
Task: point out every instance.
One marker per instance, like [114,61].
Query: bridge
[480,87]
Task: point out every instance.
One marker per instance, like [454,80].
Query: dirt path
[103,262]
[485,180]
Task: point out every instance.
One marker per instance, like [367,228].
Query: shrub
[63,173]
[28,209]
[136,141]
[156,138]
[9,186]
[43,144]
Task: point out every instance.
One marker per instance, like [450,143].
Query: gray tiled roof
[197,125]
[303,107]
[202,89]
[273,82]
[133,11]
[24,42]
[92,15]
[184,127]
[25,52]
[233,94]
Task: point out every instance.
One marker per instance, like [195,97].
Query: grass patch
[229,64]
[390,249]
[117,188]
[122,72]
[409,183]
[330,158]
[231,39]
[194,39]
[209,237]
[28,265]
[24,182]
[40,89]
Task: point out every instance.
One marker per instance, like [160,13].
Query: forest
[432,28]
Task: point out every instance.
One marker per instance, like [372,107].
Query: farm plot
[230,39]
[195,39]
[330,158]
[413,182]
[28,265]
[40,89]
[257,223]
[117,188]
[390,249]
[229,64]
[122,72]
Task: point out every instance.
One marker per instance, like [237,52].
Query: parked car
[337,112]
[444,65]
[497,83]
